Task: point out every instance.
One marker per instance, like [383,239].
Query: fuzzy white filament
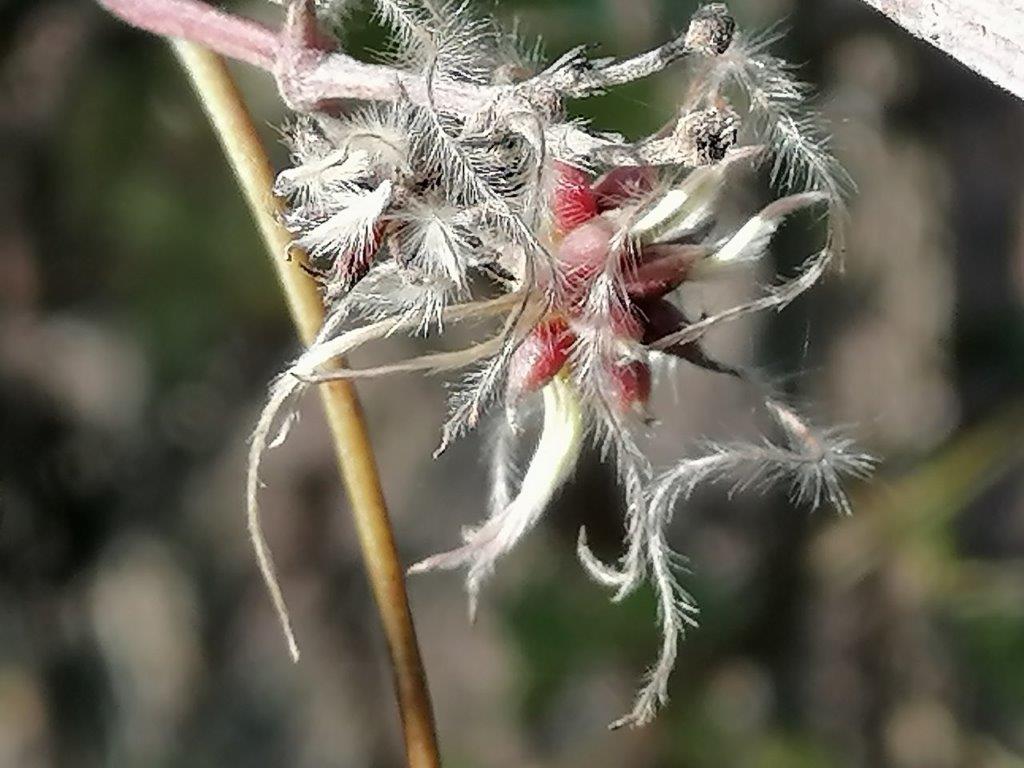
[686,208]
[551,465]
[753,239]
[812,461]
[281,391]
[350,230]
[288,387]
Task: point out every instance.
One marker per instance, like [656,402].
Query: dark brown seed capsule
[711,30]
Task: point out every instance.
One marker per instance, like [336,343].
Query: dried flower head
[461,191]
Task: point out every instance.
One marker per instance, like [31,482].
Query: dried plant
[458,190]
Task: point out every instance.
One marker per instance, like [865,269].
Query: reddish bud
[540,357]
[583,254]
[573,202]
[661,318]
[622,185]
[663,269]
[625,323]
[631,385]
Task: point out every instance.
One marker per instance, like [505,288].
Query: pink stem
[307,70]
[228,35]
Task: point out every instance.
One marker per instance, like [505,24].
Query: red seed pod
[660,318]
[625,323]
[573,202]
[623,185]
[583,254]
[630,384]
[662,269]
[540,357]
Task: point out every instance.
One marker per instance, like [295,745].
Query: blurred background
[140,324]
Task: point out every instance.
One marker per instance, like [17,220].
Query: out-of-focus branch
[231,36]
[986,35]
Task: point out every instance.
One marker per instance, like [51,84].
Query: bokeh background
[140,323]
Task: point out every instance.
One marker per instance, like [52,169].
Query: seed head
[468,196]
[711,30]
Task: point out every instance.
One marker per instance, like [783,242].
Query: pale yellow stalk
[234,127]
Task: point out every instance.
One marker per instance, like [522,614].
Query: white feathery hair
[453,200]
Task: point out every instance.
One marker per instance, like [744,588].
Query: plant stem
[233,36]
[234,127]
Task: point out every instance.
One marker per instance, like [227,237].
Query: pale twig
[709,33]
[311,71]
[322,75]
[245,152]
